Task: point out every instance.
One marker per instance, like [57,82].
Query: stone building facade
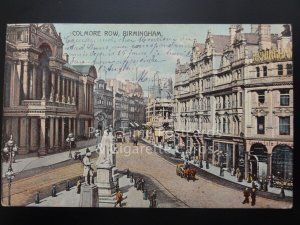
[234,101]
[103,105]
[159,113]
[45,98]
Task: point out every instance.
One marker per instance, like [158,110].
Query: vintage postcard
[148,115]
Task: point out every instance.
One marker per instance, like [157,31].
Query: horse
[190,173]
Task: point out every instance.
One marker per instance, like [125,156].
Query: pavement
[216,171]
[27,162]
[134,198]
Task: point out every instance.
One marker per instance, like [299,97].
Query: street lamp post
[70,139]
[11,148]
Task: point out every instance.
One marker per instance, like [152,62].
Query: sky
[136,58]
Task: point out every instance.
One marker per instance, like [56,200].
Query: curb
[214,178]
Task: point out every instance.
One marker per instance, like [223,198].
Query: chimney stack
[264,36]
[232,31]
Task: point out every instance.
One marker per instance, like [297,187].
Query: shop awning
[136,124]
[132,125]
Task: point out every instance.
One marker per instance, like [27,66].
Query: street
[201,193]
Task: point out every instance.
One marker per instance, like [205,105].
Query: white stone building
[234,101]
[45,98]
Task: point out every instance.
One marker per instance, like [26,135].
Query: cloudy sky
[136,58]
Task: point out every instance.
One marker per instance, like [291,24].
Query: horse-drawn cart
[188,173]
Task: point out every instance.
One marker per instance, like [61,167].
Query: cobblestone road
[199,194]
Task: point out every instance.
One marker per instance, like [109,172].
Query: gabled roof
[220,41]
[84,69]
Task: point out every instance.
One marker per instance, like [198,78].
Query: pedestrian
[142,185]
[78,186]
[253,196]
[53,191]
[246,195]
[134,179]
[119,199]
[153,198]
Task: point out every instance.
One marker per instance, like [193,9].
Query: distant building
[129,107]
[159,112]
[45,98]
[103,106]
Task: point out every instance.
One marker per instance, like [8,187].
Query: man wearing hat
[87,166]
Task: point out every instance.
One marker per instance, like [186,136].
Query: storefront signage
[272,55]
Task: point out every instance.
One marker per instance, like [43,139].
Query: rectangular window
[261,97]
[289,69]
[208,103]
[265,71]
[19,36]
[284,98]
[284,125]
[280,69]
[241,99]
[257,71]
[260,125]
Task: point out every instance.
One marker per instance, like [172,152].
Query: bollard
[131,178]
[127,173]
[282,194]
[145,196]
[207,164]
[201,165]
[68,186]
[53,192]
[37,198]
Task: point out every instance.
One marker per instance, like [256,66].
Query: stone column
[51,134]
[56,133]
[78,127]
[62,132]
[68,92]
[23,136]
[227,156]
[13,81]
[34,145]
[74,127]
[70,125]
[25,79]
[233,155]
[42,150]
[58,92]
[269,165]
[63,97]
[34,77]
[86,127]
[75,92]
[52,86]
[15,129]
[246,165]
[72,88]
[18,82]
[44,84]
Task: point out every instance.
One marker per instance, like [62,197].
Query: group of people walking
[250,193]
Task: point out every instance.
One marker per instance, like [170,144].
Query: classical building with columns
[234,101]
[45,98]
